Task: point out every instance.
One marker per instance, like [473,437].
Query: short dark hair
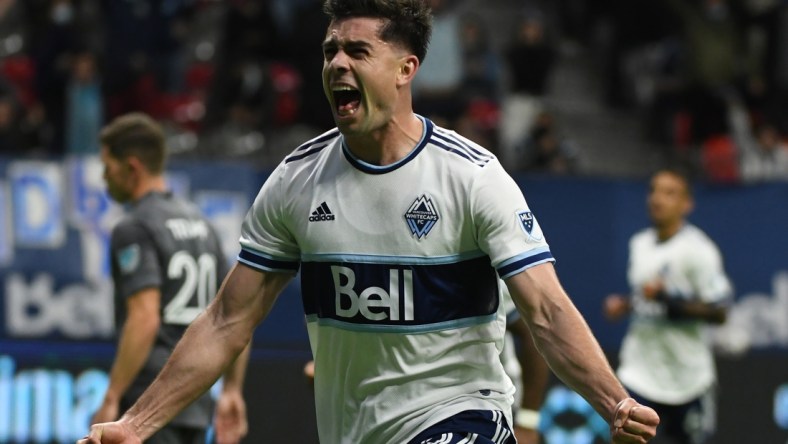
[679,171]
[408,22]
[139,135]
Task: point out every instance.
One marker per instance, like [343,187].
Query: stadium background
[55,297]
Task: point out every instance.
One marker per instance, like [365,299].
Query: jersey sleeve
[136,262]
[266,242]
[506,228]
[708,276]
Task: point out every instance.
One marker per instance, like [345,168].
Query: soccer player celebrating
[400,229]
[678,286]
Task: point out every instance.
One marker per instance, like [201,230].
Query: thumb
[623,408]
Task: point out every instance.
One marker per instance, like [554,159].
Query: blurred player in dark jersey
[167,264]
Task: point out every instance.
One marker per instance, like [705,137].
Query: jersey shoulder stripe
[447,141]
[526,260]
[260,261]
[313,146]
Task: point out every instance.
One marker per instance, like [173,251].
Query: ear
[407,69]
[136,165]
[689,205]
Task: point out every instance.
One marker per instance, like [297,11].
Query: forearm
[564,339]
[134,346]
[235,375]
[201,356]
[207,349]
[577,359]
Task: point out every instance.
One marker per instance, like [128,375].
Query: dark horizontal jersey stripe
[378,295]
[521,264]
[259,261]
[317,140]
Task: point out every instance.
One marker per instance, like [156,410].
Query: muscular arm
[209,346]
[564,339]
[134,346]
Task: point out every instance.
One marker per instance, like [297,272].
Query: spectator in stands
[765,158]
[11,140]
[546,151]
[716,59]
[249,41]
[529,59]
[84,105]
[54,34]
[480,64]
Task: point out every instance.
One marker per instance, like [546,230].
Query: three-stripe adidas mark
[321,213]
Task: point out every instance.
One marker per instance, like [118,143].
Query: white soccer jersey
[398,278]
[670,361]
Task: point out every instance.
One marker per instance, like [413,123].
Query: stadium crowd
[228,79]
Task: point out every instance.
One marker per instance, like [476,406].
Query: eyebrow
[351,44]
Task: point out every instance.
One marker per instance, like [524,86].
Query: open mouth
[347,100]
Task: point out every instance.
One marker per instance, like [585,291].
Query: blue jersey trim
[394,260]
[313,146]
[377,169]
[265,262]
[406,329]
[460,148]
[520,262]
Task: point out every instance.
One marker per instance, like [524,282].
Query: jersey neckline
[369,168]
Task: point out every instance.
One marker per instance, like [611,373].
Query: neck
[150,185]
[666,231]
[388,144]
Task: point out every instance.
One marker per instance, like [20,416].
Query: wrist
[527,419]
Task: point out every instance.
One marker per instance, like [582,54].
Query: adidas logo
[321,213]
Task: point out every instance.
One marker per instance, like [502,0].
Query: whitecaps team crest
[129,258]
[421,216]
[529,225]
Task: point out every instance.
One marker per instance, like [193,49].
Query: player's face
[669,200]
[118,175]
[360,73]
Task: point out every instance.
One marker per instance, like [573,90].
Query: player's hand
[616,307]
[230,420]
[110,433]
[633,423]
[652,290]
[526,436]
[309,371]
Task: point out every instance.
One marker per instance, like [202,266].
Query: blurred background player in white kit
[678,287]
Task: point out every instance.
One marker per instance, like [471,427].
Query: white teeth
[343,88]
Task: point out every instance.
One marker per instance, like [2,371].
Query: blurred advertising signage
[55,223]
[52,403]
[45,405]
